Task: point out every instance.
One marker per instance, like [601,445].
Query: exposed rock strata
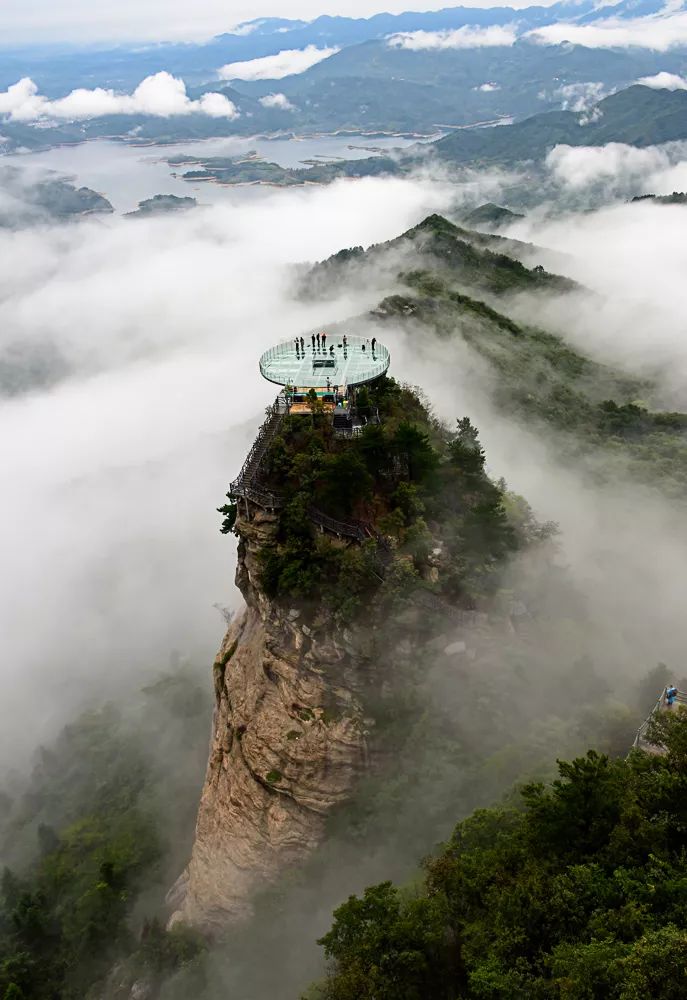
[288,744]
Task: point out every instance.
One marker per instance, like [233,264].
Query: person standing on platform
[313,341]
[345,342]
[324,341]
[302,345]
[318,341]
[374,343]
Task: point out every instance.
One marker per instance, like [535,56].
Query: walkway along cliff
[354,509]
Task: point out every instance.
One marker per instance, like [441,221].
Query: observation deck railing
[640,741]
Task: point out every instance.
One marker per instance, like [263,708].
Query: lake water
[127,174]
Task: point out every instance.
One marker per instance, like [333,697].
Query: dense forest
[95,835]
[576,890]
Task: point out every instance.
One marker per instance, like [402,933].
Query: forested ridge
[460,286]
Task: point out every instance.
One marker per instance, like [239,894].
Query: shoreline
[134,143]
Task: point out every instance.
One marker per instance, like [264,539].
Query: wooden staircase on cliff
[249,484]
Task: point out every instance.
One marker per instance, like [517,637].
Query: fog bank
[150,331]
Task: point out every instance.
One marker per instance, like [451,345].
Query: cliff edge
[288,744]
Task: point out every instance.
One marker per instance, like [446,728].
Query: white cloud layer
[467,37]
[288,62]
[634,256]
[659,32]
[278,101]
[110,542]
[162,95]
[580,96]
[659,169]
[488,88]
[664,81]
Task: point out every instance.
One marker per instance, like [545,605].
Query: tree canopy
[579,891]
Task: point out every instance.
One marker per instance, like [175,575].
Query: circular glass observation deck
[337,361]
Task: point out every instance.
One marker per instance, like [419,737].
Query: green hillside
[455,284]
[491,215]
[377,85]
[475,260]
[639,115]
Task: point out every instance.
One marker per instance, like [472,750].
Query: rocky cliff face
[288,744]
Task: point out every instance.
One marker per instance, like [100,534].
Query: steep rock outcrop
[288,744]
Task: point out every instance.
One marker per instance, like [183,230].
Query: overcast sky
[25,21]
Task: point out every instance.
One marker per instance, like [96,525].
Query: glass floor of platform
[336,364]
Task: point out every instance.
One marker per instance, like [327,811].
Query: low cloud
[626,169]
[580,96]
[288,62]
[633,256]
[278,101]
[467,37]
[162,95]
[488,88]
[110,542]
[664,81]
[659,32]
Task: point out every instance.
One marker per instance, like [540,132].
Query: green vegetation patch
[577,891]
[406,481]
[90,836]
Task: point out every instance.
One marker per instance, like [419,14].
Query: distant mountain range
[365,85]
[58,69]
[374,86]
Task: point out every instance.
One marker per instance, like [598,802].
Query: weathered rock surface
[288,745]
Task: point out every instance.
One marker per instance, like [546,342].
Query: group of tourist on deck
[319,343]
